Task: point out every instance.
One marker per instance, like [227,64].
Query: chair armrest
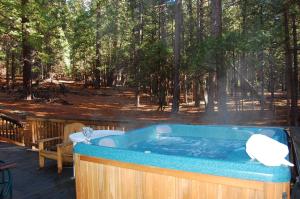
[63,146]
[7,165]
[41,143]
[49,139]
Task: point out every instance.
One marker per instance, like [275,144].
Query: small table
[6,179]
[8,165]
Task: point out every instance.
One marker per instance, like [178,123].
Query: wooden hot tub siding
[98,178]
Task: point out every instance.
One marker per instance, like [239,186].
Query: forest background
[219,54]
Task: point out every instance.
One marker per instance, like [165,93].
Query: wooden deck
[30,182]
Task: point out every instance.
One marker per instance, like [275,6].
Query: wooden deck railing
[11,130]
[27,134]
[41,128]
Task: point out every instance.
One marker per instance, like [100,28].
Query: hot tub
[178,161]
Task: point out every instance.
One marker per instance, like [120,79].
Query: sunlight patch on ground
[120,104]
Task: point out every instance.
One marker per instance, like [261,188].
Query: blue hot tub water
[191,147]
[215,150]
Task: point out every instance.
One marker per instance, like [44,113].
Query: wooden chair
[62,152]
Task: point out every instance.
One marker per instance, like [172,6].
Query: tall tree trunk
[261,56]
[49,51]
[183,62]
[133,53]
[177,57]
[191,26]
[272,78]
[288,60]
[199,28]
[219,57]
[261,72]
[197,92]
[235,86]
[243,66]
[13,69]
[162,84]
[191,44]
[115,42]
[7,62]
[186,89]
[200,21]
[210,92]
[26,50]
[294,101]
[162,24]
[138,38]
[96,70]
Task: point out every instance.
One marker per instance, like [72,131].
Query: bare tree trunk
[48,68]
[177,57]
[26,50]
[190,46]
[200,21]
[261,61]
[162,80]
[134,53]
[115,43]
[235,90]
[288,60]
[197,92]
[13,69]
[220,68]
[243,66]
[294,101]
[191,43]
[163,31]
[199,29]
[138,90]
[211,92]
[185,89]
[191,26]
[138,38]
[261,72]
[243,70]
[234,81]
[203,92]
[96,70]
[7,57]
[272,79]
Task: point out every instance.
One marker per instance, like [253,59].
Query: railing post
[26,131]
[33,131]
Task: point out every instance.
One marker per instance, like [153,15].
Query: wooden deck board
[30,182]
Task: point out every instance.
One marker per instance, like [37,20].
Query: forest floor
[72,101]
